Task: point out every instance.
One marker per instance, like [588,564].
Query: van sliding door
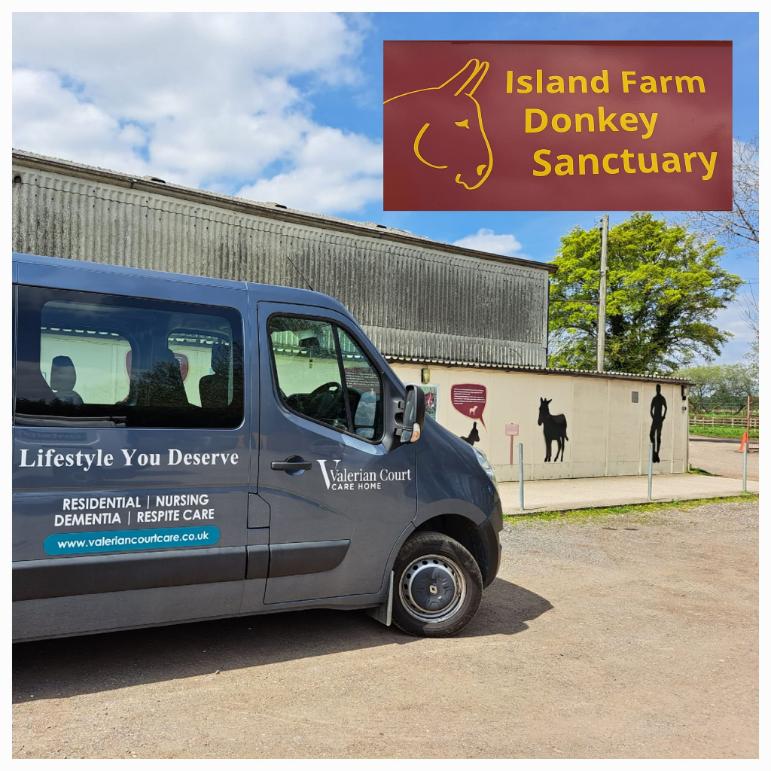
[131,452]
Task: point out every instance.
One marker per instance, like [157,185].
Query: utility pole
[603,290]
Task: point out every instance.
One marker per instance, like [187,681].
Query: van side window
[85,358]
[308,369]
[363,386]
[323,374]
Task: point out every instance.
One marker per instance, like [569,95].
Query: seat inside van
[63,379]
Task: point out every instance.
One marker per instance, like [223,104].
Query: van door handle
[292,465]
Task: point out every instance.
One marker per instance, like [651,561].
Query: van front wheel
[438,586]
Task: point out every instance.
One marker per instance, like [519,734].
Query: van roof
[270,292]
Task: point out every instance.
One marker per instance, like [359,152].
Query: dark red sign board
[470,399]
[612,126]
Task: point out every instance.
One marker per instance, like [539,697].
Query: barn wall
[414,297]
[608,434]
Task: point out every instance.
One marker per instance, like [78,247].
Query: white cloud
[733,319]
[51,120]
[333,171]
[487,240]
[198,99]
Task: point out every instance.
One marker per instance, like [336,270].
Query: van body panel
[457,484]
[257,561]
[258,515]
[110,611]
[63,577]
[300,559]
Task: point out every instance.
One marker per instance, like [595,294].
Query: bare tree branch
[741,224]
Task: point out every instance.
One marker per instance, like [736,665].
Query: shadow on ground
[76,665]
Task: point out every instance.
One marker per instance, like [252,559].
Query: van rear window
[86,358]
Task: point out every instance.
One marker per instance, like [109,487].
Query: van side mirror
[413,416]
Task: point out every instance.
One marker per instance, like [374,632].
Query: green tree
[664,289]
[724,386]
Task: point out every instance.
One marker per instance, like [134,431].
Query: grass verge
[721,432]
[632,508]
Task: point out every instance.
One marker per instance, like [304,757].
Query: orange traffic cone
[743,443]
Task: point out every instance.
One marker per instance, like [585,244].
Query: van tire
[437,586]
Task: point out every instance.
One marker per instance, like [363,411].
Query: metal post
[603,291]
[521,458]
[650,471]
[744,464]
[749,411]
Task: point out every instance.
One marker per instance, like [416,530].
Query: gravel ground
[616,636]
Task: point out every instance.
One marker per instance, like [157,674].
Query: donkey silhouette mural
[554,427]
[444,126]
[473,436]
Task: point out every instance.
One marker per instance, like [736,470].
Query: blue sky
[288,108]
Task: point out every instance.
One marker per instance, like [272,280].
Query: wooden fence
[735,421]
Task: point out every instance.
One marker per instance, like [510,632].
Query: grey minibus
[187,448]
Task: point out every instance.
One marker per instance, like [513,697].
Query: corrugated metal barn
[416,298]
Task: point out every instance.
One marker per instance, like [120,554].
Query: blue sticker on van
[130,540]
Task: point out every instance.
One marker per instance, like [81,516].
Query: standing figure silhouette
[658,413]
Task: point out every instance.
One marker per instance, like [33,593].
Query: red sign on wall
[557,125]
[470,399]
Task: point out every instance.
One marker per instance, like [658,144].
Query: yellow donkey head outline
[460,87]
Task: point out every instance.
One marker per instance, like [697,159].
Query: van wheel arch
[466,532]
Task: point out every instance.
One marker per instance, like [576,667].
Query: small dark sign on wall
[432,399]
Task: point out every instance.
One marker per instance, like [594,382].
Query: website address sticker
[130,540]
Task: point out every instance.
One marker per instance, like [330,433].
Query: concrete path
[562,494]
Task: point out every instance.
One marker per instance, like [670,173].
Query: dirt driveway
[721,458]
[624,636]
